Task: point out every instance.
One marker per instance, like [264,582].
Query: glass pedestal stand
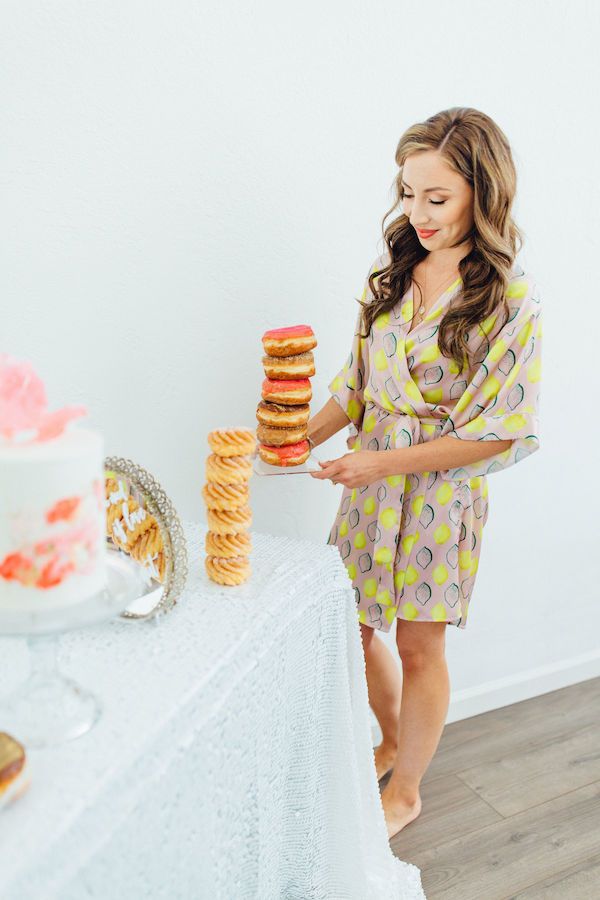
[49,708]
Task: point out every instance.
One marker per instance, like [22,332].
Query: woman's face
[447,209]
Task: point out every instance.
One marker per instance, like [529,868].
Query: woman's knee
[420,642]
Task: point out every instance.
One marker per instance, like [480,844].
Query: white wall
[179,177]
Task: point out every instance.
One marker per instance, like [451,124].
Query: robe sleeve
[501,401]
[347,387]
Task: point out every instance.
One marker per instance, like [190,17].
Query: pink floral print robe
[412,543]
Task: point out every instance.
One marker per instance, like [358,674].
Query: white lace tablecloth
[233,759]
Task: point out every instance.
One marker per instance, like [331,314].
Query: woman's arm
[442,453]
[366,466]
[328,421]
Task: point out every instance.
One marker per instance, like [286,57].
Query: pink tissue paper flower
[23,403]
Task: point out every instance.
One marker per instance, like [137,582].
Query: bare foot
[385,756]
[398,813]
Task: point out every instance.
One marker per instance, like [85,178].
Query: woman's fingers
[328,469]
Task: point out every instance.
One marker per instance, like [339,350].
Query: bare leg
[384,684]
[425,700]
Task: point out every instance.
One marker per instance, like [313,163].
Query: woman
[443,391]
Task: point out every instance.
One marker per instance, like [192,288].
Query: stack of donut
[228,513]
[284,410]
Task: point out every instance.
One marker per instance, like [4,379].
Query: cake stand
[50,708]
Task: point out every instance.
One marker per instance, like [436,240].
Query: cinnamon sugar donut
[233,570]
[229,521]
[228,469]
[301,365]
[228,545]
[289,341]
[282,415]
[232,441]
[280,437]
[287,391]
[225,496]
[291,455]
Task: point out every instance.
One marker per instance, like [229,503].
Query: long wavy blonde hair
[476,148]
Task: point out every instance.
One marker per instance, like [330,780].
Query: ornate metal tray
[136,501]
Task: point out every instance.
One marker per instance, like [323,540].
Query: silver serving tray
[153,597]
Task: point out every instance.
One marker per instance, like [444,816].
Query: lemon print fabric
[412,543]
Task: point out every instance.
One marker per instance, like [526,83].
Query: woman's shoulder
[523,290]
[518,274]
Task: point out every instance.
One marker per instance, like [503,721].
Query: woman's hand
[356,469]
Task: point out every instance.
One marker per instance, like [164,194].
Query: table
[234,756]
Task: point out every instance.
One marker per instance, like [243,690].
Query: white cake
[52,521]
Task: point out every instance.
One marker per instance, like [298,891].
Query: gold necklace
[421,309]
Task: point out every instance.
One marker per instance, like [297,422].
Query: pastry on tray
[281,415]
[227,570]
[225,496]
[14,771]
[291,455]
[289,341]
[287,391]
[284,410]
[229,521]
[228,513]
[232,441]
[228,469]
[301,365]
[227,545]
[274,436]
[133,529]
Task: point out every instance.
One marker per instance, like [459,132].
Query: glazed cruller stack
[284,411]
[226,494]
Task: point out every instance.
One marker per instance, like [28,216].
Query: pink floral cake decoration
[24,413]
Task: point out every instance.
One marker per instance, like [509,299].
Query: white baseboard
[514,688]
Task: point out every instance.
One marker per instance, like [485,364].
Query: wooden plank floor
[511,803]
